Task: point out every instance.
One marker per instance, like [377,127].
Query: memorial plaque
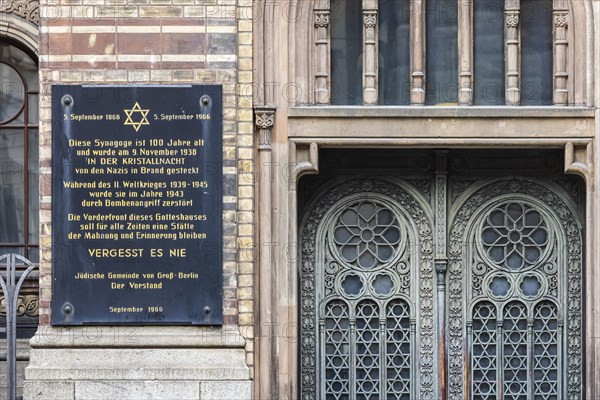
[137,205]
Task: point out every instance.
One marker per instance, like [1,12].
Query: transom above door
[442,284]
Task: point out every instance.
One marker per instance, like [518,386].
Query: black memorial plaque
[137,205]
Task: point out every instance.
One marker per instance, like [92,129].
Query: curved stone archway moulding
[20,30]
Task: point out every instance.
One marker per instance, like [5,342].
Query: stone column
[370,52]
[513,67]
[561,94]
[264,118]
[417,26]
[465,53]
[323,43]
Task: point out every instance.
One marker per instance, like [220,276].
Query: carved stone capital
[370,18]
[512,18]
[26,9]
[560,19]
[322,19]
[264,119]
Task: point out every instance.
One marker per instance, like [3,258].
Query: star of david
[143,119]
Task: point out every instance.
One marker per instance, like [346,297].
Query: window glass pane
[12,92]
[442,52]
[536,52]
[33,254]
[10,250]
[346,52]
[394,52]
[11,186]
[488,52]
[34,192]
[33,109]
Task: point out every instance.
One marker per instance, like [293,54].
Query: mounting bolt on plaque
[67,100]
[205,100]
[67,308]
[206,310]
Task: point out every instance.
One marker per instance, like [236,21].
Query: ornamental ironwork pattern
[367,235]
[484,361]
[520,317]
[546,332]
[514,350]
[362,345]
[514,236]
[538,229]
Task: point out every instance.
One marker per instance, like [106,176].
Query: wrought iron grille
[514,293]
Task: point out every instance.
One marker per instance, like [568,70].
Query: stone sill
[137,337]
[439,112]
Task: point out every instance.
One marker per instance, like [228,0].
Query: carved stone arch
[468,208]
[21,26]
[418,215]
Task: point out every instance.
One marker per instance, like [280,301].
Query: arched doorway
[491,311]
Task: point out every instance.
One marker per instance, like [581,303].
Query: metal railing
[10,288]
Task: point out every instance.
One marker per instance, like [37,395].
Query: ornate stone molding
[264,119]
[26,9]
[27,306]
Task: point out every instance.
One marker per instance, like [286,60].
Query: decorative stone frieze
[26,9]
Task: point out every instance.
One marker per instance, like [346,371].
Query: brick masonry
[156,42]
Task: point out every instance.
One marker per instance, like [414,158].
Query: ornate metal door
[515,292]
[460,289]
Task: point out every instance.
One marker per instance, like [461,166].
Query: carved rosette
[26,9]
[264,119]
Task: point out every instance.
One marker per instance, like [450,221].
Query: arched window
[19,192]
